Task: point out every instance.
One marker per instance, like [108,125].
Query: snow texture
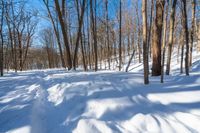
[57,101]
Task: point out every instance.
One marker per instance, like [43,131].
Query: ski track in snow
[56,101]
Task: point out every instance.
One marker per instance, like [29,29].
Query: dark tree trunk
[156,65]
[94,31]
[185,27]
[145,46]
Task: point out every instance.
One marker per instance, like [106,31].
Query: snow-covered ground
[56,101]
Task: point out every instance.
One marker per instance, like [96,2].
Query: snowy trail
[57,101]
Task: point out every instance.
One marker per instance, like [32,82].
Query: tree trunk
[83,53]
[2,40]
[120,35]
[192,30]
[185,27]
[171,32]
[129,62]
[164,43]
[139,34]
[182,54]
[145,46]
[107,32]
[150,27]
[156,65]
[65,37]
[80,21]
[94,31]
[89,39]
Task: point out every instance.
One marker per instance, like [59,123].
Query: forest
[101,65]
[96,35]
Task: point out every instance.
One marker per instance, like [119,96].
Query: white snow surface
[57,101]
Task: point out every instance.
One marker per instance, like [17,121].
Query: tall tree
[80,23]
[46,2]
[150,27]
[2,39]
[139,33]
[164,41]
[120,35]
[94,31]
[171,38]
[157,37]
[107,34]
[145,46]
[185,27]
[64,33]
[192,30]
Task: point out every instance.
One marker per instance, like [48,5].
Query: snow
[57,101]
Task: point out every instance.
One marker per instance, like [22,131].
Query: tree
[64,33]
[80,23]
[171,31]
[120,35]
[94,32]
[192,34]
[156,47]
[46,3]
[185,27]
[139,33]
[150,27]
[164,42]
[2,38]
[107,33]
[145,46]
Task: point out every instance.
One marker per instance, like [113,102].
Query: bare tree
[192,30]
[64,33]
[2,38]
[145,46]
[94,31]
[80,21]
[164,41]
[171,33]
[120,35]
[139,34]
[156,47]
[185,27]
[150,27]
[46,3]
[107,33]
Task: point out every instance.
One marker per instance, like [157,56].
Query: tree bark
[2,40]
[145,46]
[192,30]
[156,65]
[171,32]
[185,27]
[94,31]
[150,28]
[164,42]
